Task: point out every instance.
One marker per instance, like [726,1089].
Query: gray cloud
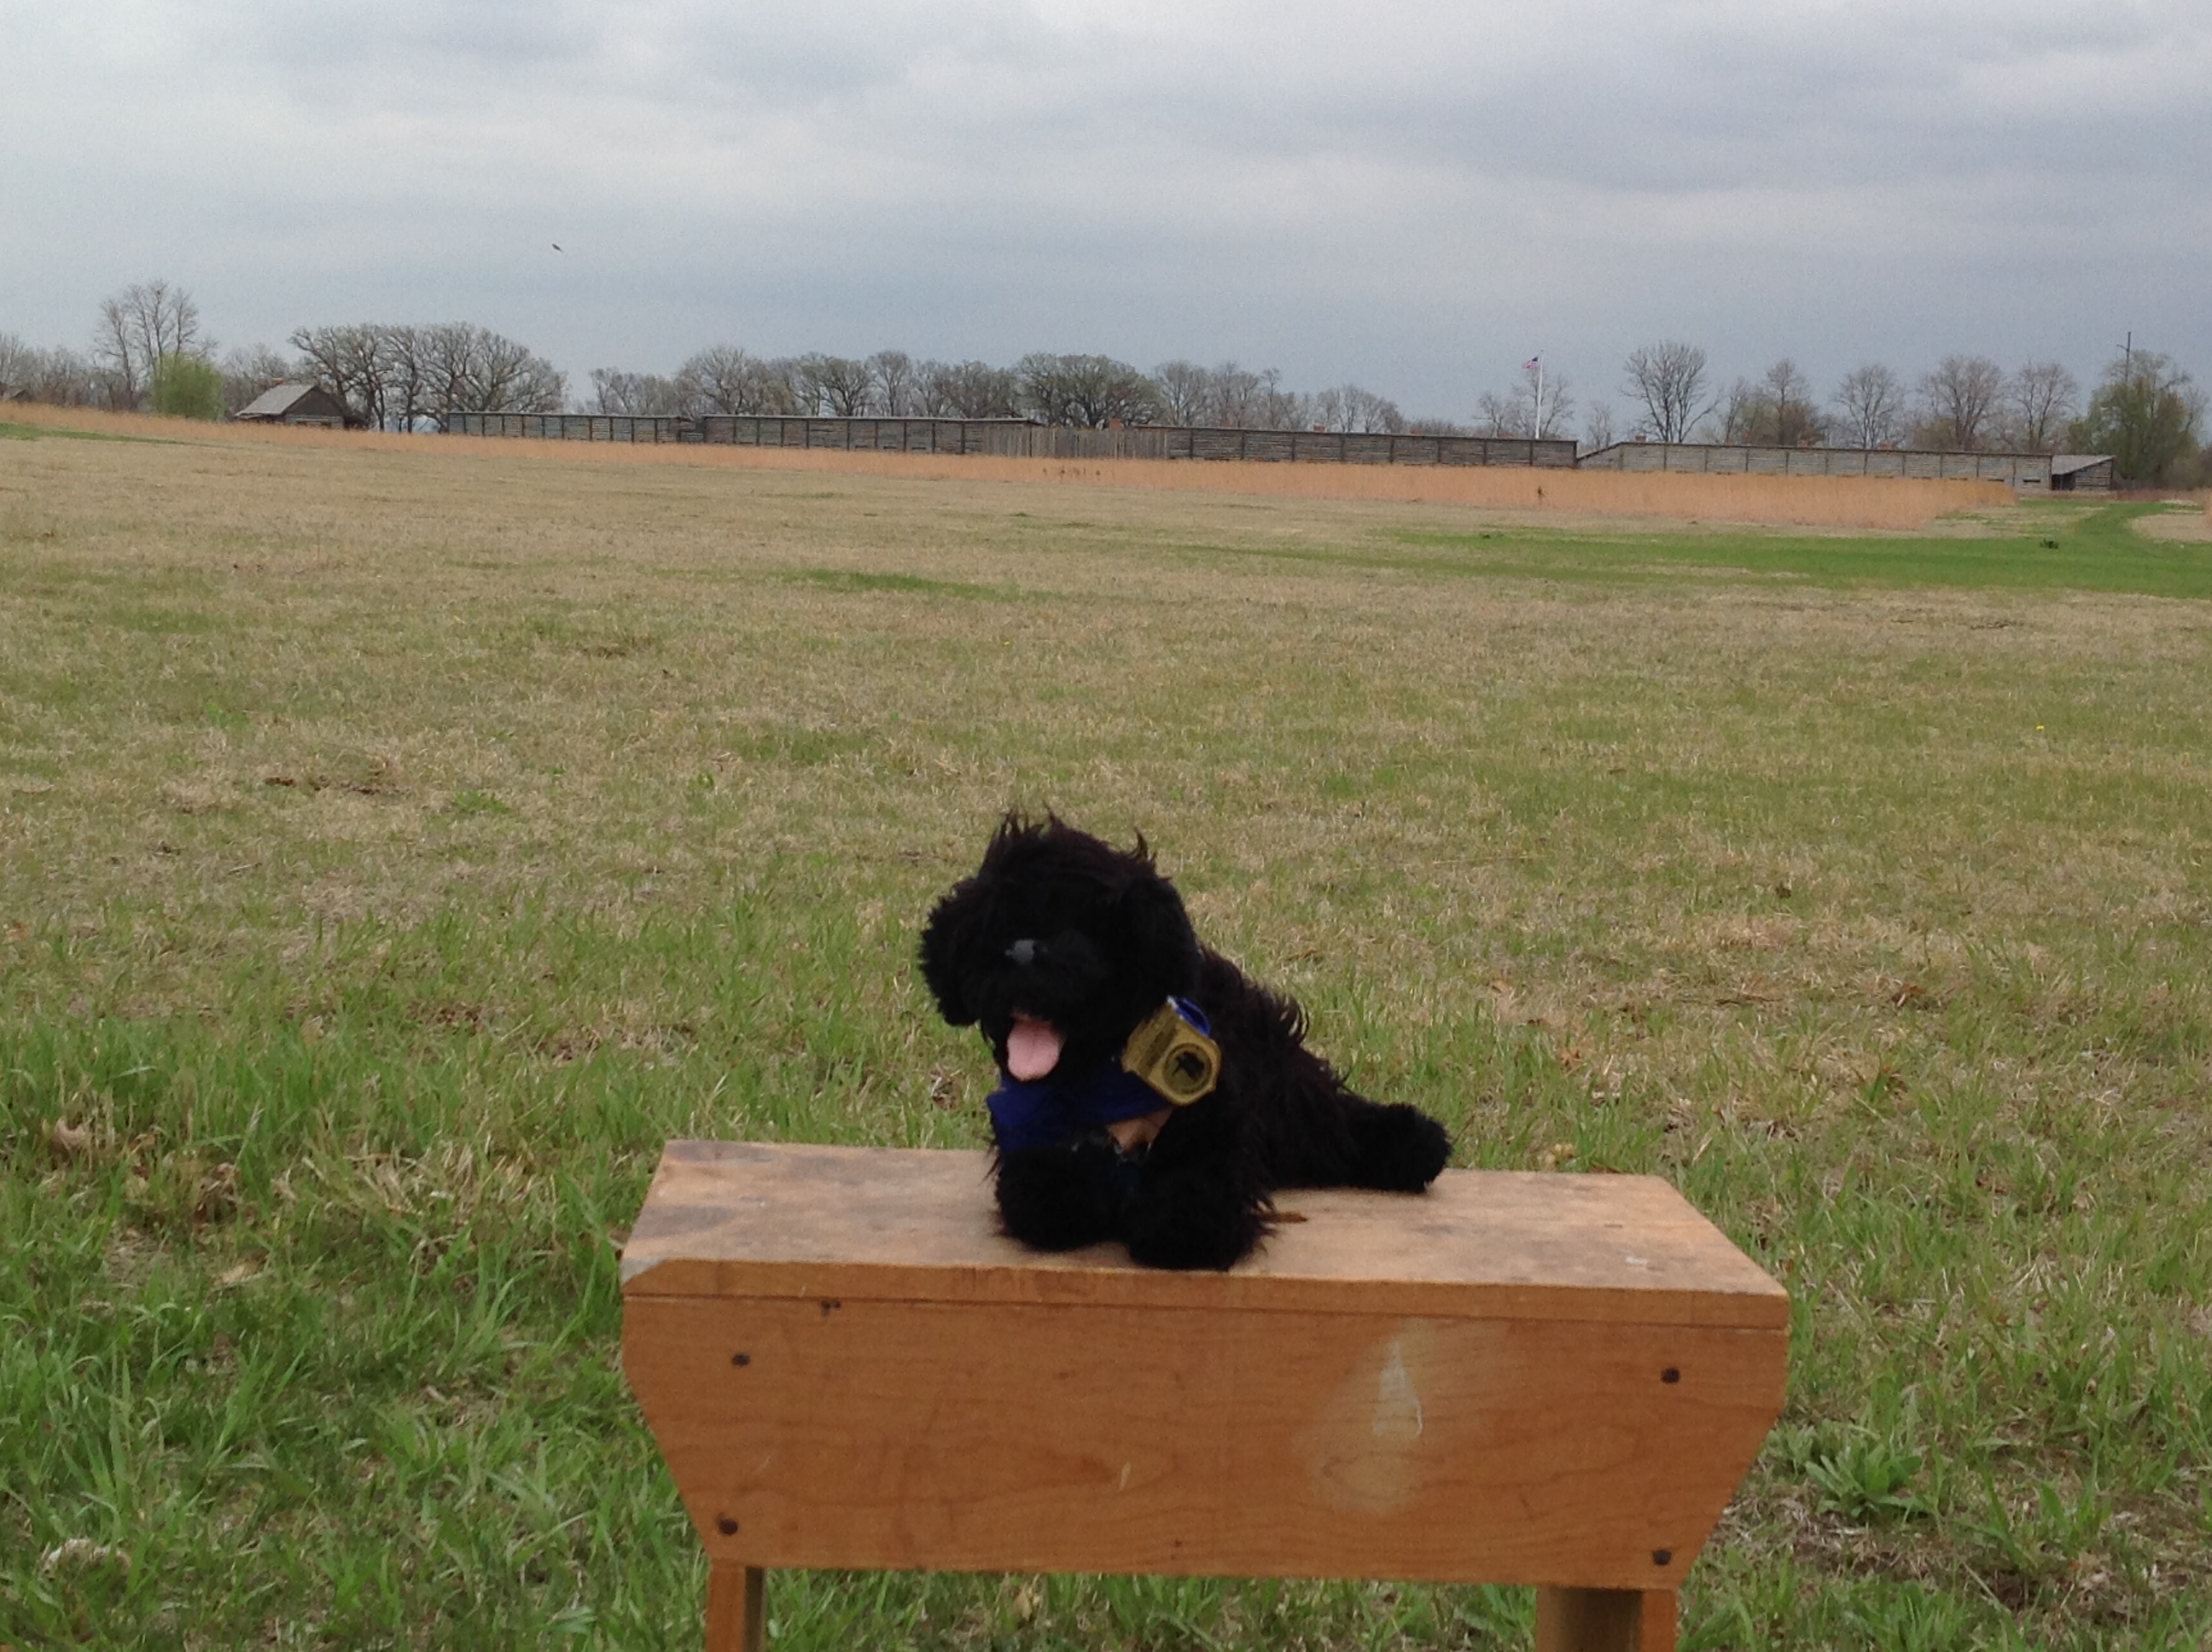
[1414,195]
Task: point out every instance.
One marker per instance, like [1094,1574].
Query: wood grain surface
[975,1436]
[734,1219]
[1604,1620]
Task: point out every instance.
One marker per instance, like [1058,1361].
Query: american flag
[1529,366]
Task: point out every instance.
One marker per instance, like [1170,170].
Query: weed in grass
[1862,1476]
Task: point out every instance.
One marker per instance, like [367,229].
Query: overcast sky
[1415,197]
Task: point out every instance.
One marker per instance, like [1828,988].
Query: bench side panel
[875,1435]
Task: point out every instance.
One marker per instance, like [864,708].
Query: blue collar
[1056,1110]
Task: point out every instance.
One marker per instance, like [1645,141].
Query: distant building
[2081,473]
[295,404]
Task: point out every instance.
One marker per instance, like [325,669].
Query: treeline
[1092,390]
[2145,411]
[403,378]
[148,352]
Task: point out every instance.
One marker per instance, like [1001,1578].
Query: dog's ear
[1159,930]
[949,924]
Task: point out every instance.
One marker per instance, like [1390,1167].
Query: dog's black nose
[1023,951]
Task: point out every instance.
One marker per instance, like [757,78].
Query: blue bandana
[1054,1111]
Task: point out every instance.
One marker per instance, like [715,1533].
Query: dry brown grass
[1808,502]
[354,558]
[2178,527]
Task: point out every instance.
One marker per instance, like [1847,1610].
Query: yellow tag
[1173,1057]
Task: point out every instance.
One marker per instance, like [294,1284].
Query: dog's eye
[1023,951]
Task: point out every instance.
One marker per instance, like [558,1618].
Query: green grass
[36,431]
[840,579]
[2063,547]
[394,851]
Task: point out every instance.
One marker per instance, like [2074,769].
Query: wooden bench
[1555,1380]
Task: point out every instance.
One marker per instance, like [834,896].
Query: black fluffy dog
[1150,1090]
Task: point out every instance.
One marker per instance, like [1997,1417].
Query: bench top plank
[750,1220]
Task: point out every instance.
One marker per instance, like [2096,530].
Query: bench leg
[1605,1620]
[737,1608]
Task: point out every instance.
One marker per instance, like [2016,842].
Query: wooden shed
[2081,473]
[295,404]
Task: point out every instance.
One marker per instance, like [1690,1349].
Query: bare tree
[249,369]
[408,358]
[59,378]
[1279,408]
[1597,427]
[727,379]
[835,385]
[508,378]
[1668,380]
[1356,411]
[1958,402]
[2038,401]
[399,377]
[968,390]
[1230,397]
[1094,391]
[897,382]
[1517,412]
[633,394]
[448,369]
[139,326]
[1735,414]
[344,361]
[1787,416]
[1869,407]
[1236,397]
[19,365]
[1185,388]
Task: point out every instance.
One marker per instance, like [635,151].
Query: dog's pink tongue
[1032,1049]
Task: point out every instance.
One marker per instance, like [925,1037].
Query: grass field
[397,846]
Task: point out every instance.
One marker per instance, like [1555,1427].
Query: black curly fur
[1112,942]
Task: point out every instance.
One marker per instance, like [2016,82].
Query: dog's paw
[1063,1197]
[1185,1220]
[1400,1149]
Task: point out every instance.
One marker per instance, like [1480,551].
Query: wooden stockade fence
[1021,439]
[1745,458]
[571,426]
